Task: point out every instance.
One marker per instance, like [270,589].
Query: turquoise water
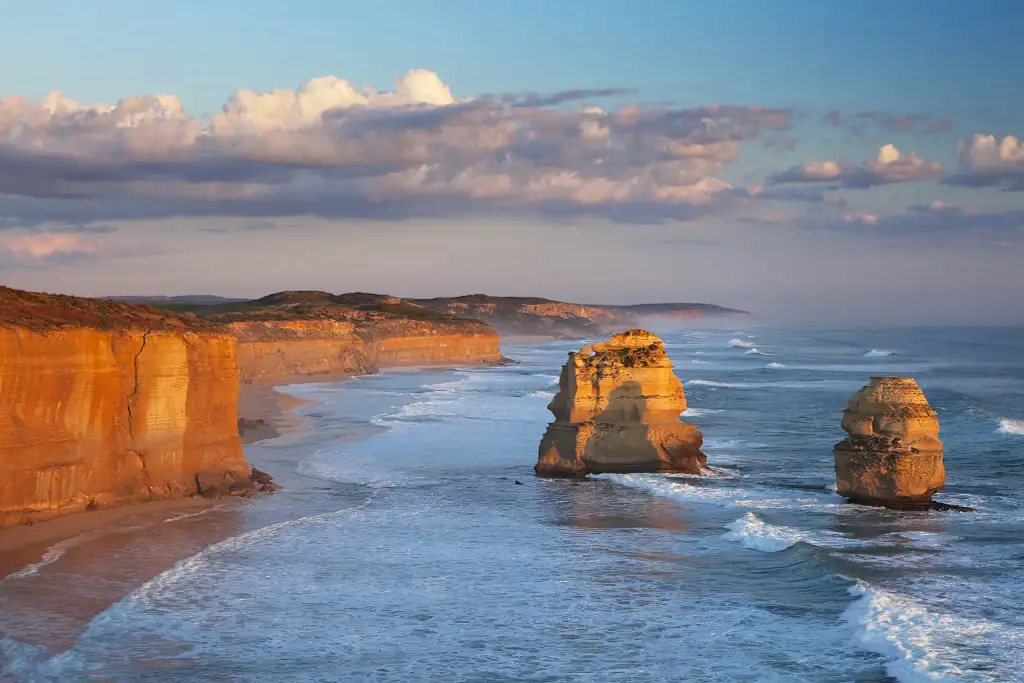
[411,553]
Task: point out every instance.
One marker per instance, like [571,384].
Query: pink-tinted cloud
[332,149]
[41,246]
[865,218]
[889,166]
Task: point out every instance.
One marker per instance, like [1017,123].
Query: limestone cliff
[103,403]
[617,410]
[893,455]
[296,334]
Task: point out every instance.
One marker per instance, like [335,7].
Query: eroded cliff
[297,334]
[103,403]
[893,455]
[617,410]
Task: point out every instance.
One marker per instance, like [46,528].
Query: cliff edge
[617,410]
[103,403]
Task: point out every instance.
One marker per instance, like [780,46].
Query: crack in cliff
[131,398]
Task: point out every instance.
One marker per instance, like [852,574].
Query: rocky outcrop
[102,403]
[893,455]
[617,410]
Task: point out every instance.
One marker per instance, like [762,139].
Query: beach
[268,411]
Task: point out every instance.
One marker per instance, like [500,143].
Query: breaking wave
[740,344]
[879,353]
[754,352]
[775,366]
[1012,427]
[916,642]
[757,534]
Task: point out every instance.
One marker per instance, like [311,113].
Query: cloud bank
[890,166]
[333,150]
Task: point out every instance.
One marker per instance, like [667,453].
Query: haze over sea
[402,548]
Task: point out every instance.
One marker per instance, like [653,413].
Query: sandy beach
[265,412]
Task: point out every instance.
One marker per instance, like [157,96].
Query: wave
[697,412]
[1011,427]
[52,554]
[757,534]
[775,366]
[542,394]
[752,351]
[909,636]
[740,344]
[724,385]
[879,353]
[790,384]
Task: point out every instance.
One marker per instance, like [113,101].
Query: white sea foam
[775,366]
[879,353]
[753,351]
[757,534]
[703,491]
[713,383]
[697,412]
[1011,427]
[187,515]
[52,554]
[542,394]
[740,344]
[919,644]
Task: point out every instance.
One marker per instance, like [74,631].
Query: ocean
[412,542]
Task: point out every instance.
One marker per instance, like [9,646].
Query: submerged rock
[617,410]
[893,455]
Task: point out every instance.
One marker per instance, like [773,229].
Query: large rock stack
[617,410]
[893,456]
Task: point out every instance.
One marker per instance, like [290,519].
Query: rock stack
[893,456]
[617,410]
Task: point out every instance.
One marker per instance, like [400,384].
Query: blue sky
[954,63]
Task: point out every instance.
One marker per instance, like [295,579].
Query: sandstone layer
[617,410]
[893,455]
[102,403]
[299,334]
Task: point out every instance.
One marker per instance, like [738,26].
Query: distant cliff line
[509,316]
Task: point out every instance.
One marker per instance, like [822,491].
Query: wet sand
[265,412]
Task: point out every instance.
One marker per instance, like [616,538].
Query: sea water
[413,543]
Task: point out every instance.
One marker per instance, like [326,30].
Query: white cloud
[989,161]
[331,148]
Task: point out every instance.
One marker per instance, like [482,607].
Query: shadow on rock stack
[893,456]
[617,410]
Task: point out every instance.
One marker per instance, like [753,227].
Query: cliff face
[617,410]
[93,417]
[281,349]
[296,334]
[893,455]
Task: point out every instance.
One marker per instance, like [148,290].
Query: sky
[849,163]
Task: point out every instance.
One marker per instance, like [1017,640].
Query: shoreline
[265,412]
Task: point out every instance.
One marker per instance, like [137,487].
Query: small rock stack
[893,455]
[617,410]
